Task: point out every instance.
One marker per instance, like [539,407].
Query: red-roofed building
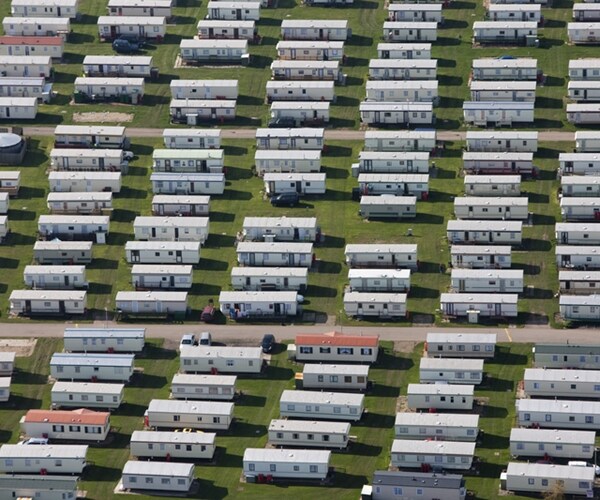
[53,46]
[79,425]
[337,347]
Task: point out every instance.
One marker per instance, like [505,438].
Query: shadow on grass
[419,292]
[327,267]
[100,473]
[221,217]
[152,351]
[212,264]
[144,380]
[321,291]
[6,263]
[245,429]
[365,450]
[251,400]
[131,410]
[336,151]
[527,268]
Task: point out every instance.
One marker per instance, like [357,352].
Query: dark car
[283,122]
[268,342]
[285,199]
[124,46]
[208,314]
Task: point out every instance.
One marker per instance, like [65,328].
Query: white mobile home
[335,347]
[375,304]
[583,113]
[298,50]
[220,359]
[191,111]
[227,29]
[161,276]
[302,112]
[403,31]
[171,228]
[103,89]
[5,389]
[290,138]
[505,32]
[307,71]
[47,302]
[48,277]
[188,160]
[275,254]
[104,339]
[201,51]
[62,252]
[402,90]
[281,161]
[111,27]
[446,454]
[394,184]
[18,108]
[491,208]
[461,345]
[176,414]
[243,305]
[587,141]
[305,29]
[321,405]
[484,232]
[584,91]
[289,90]
[204,89]
[382,255]
[7,363]
[65,181]
[76,159]
[400,140]
[309,434]
[403,69]
[579,307]
[18,45]
[451,371]
[281,228]
[573,209]
[236,10]
[579,164]
[60,425]
[285,463]
[162,252]
[334,377]
[563,355]
[3,227]
[86,395]
[37,26]
[578,257]
[583,33]
[68,366]
[10,182]
[479,304]
[4,202]
[118,66]
[175,138]
[538,478]
[551,442]
[403,50]
[557,383]
[79,227]
[436,426]
[475,257]
[90,136]
[44,459]
[497,113]
[196,386]
[584,69]
[80,203]
[405,12]
[391,162]
[558,414]
[35,86]
[578,282]
[187,183]
[44,8]
[415,484]
[515,141]
[154,444]
[151,303]
[276,183]
[379,280]
[492,68]
[515,12]
[269,278]
[38,487]
[165,476]
[440,396]
[140,9]
[396,113]
[492,185]
[502,90]
[180,205]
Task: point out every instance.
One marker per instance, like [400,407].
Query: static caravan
[103,89]
[587,141]
[474,257]
[583,33]
[10,182]
[502,90]
[403,69]
[298,50]
[309,434]
[18,108]
[187,183]
[375,304]
[161,276]
[43,459]
[290,138]
[111,27]
[236,10]
[289,90]
[396,113]
[551,442]
[196,386]
[48,277]
[403,31]
[69,366]
[497,113]
[151,303]
[515,12]
[403,50]
[37,26]
[66,181]
[436,426]
[538,478]
[286,464]
[491,305]
[227,29]
[269,278]
[80,203]
[557,383]
[180,205]
[573,209]
[274,254]
[451,371]
[5,389]
[513,141]
[461,345]
[321,405]
[315,29]
[484,232]
[402,90]
[83,227]
[90,136]
[281,228]
[403,12]
[251,305]
[162,252]
[3,227]
[52,46]
[61,425]
[578,257]
[38,487]
[493,68]
[166,476]
[415,484]
[44,8]
[4,203]
[276,183]
[104,339]
[391,162]
[440,397]
[47,302]
[394,184]
[492,185]
[558,414]
[334,377]
[587,68]
[400,140]
[221,359]
[379,280]
[582,282]
[190,111]
[62,252]
[579,164]
[87,160]
[26,87]
[583,113]
[175,138]
[580,307]
[307,71]
[335,347]
[188,160]
[143,9]
[7,363]
[86,395]
[154,444]
[455,455]
[118,66]
[302,112]
[584,91]
[171,228]
[586,357]
[204,89]
[176,414]
[505,32]
[296,160]
[393,256]
[491,208]
[201,51]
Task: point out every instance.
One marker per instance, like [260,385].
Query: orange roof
[338,339]
[81,416]
[30,40]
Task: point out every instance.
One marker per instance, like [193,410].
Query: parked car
[285,199]
[585,464]
[188,339]
[205,338]
[208,314]
[268,342]
[34,441]
[125,46]
[284,122]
